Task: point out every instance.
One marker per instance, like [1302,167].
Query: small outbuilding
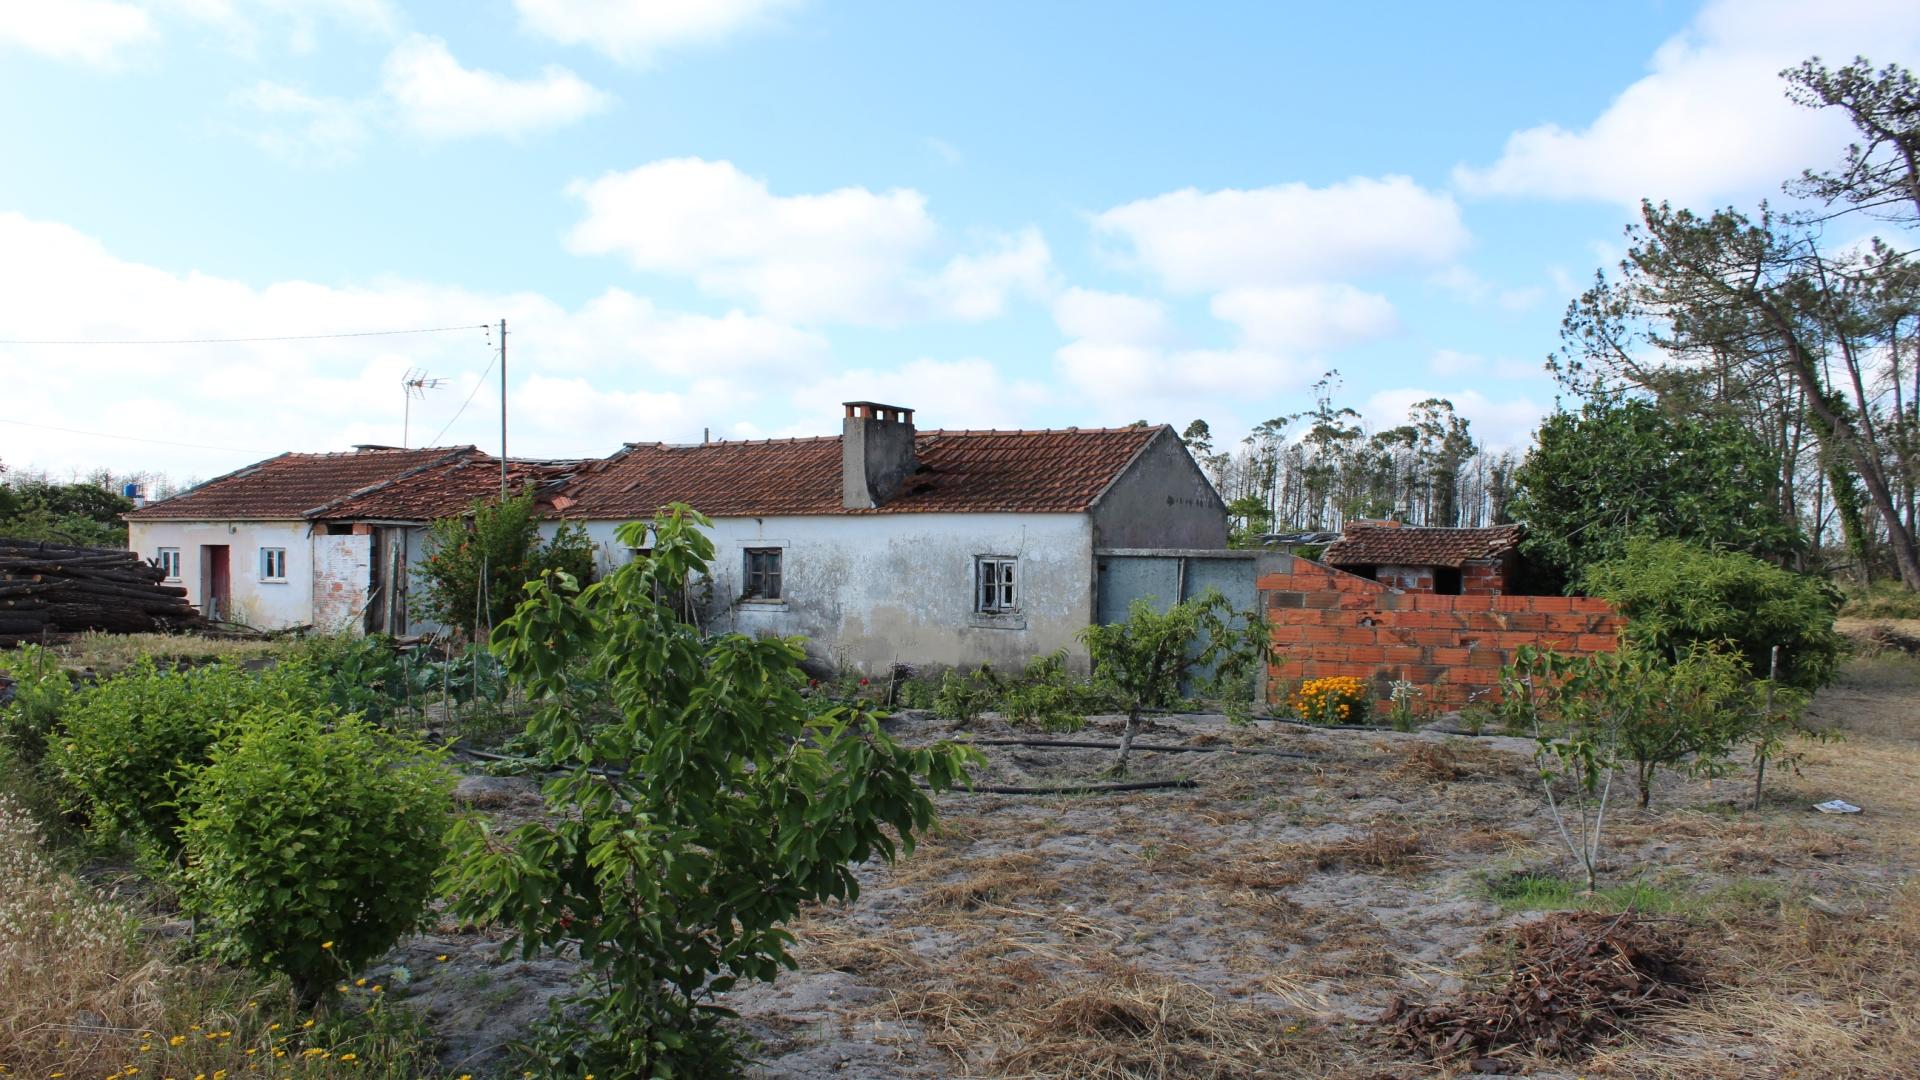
[1413,558]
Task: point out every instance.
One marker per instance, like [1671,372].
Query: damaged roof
[1387,544]
[447,488]
[294,486]
[1057,471]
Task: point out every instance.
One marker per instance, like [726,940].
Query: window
[273,564]
[169,563]
[994,585]
[763,574]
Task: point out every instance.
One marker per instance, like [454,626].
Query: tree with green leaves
[1148,660]
[1624,468]
[477,564]
[700,800]
[1678,596]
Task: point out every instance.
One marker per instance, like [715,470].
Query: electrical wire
[478,383]
[234,340]
[128,438]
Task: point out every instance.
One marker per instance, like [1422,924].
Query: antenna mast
[503,410]
[414,384]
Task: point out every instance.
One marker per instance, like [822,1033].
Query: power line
[234,340]
[128,438]
[478,383]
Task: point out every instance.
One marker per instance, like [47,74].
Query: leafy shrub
[963,696]
[1050,697]
[686,829]
[477,565]
[132,742]
[1676,596]
[1337,699]
[1145,661]
[313,841]
[41,687]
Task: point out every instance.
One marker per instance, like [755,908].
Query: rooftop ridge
[783,440]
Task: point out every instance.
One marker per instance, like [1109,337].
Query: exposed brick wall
[1486,577]
[1328,622]
[341,573]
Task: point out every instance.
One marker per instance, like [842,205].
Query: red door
[216,580]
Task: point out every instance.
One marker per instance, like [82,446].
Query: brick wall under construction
[1328,622]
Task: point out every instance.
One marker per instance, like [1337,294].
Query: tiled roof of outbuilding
[292,486]
[1371,544]
[1060,471]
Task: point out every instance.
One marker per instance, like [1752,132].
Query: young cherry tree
[1148,659]
[700,802]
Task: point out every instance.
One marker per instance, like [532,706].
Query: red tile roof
[292,486]
[1370,544]
[1060,471]
[444,489]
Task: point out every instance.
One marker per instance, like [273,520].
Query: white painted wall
[871,589]
[265,604]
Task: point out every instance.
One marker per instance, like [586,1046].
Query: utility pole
[503,410]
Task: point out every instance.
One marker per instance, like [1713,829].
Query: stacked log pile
[49,588]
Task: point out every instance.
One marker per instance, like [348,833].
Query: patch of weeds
[1548,892]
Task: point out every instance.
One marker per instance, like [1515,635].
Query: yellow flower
[176,1040]
[359,982]
[349,1057]
[377,988]
[308,1024]
[326,944]
[442,958]
[275,1026]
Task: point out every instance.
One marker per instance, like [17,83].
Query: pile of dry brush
[1578,976]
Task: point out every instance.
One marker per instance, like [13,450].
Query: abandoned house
[887,543]
[1449,562]
[881,544]
[321,540]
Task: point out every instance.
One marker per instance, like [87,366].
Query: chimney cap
[873,410]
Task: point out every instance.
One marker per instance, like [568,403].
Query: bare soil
[1260,924]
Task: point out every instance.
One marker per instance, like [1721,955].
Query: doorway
[216,581]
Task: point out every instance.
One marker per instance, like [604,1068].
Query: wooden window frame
[996,585]
[763,575]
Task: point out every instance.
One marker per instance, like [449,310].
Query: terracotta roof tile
[1367,544]
[291,486]
[1061,471]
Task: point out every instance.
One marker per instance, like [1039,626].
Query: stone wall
[1329,622]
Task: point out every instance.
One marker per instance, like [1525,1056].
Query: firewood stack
[48,588]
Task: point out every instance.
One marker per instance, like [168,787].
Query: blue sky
[731,215]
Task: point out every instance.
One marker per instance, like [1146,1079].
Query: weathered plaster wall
[341,566]
[1163,500]
[265,604]
[871,589]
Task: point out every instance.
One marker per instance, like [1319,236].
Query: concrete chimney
[876,453]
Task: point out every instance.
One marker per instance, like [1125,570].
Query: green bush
[1050,697]
[1676,596]
[963,696]
[313,841]
[131,742]
[478,564]
[41,687]
[355,673]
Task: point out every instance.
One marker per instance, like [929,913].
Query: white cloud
[1497,424]
[1710,120]
[96,32]
[1121,381]
[1110,317]
[434,95]
[1464,283]
[1306,318]
[619,358]
[848,255]
[303,127]
[1287,234]
[966,393]
[1450,363]
[634,30]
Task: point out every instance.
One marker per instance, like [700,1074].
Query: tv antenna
[414,384]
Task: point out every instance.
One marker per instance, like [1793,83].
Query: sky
[730,216]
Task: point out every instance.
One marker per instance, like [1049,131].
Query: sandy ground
[1253,925]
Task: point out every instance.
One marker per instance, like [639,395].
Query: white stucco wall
[264,604]
[871,589]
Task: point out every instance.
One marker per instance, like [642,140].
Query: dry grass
[1425,762]
[1382,847]
[1001,879]
[87,996]
[112,652]
[1115,1023]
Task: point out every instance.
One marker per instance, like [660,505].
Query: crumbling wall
[341,574]
[1328,622]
